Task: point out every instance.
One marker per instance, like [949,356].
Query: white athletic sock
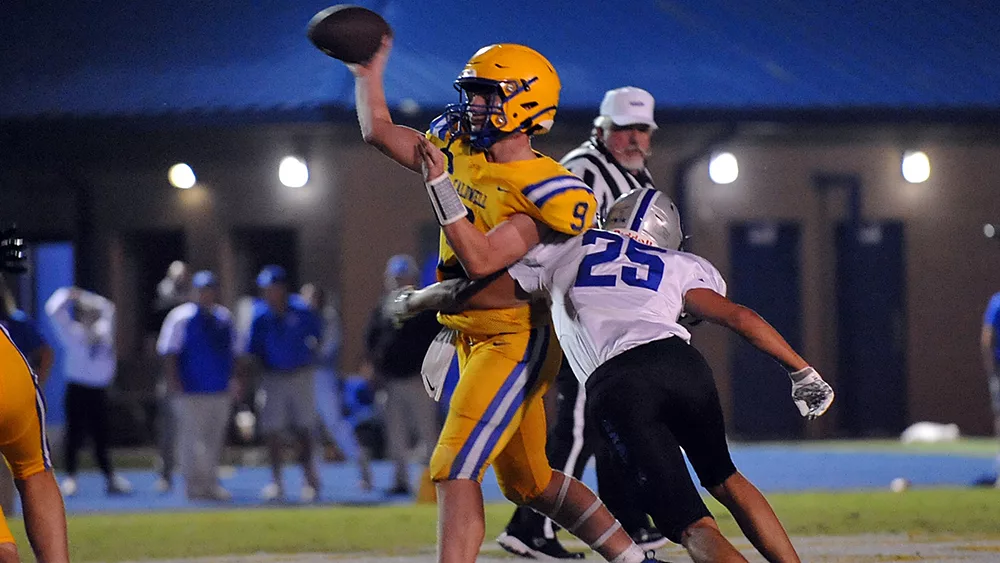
[633,554]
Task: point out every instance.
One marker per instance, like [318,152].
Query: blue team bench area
[807,466]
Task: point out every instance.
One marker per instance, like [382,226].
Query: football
[351,34]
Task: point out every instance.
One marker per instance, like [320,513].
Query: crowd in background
[265,373]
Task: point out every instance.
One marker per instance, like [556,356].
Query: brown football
[348,33]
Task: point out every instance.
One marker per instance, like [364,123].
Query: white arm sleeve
[704,275]
[171,337]
[57,309]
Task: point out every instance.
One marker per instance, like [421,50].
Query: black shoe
[648,538]
[399,490]
[535,548]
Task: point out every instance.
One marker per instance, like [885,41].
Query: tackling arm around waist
[457,295]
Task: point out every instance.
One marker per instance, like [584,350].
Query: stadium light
[181,176]
[916,167]
[293,172]
[723,168]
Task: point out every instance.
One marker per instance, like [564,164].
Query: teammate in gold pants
[25,448]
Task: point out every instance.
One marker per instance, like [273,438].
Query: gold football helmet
[504,88]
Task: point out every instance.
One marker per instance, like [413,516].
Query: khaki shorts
[290,401]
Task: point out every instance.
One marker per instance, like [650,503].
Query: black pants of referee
[647,404]
[86,415]
[570,445]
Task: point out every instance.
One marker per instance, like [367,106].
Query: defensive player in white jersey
[612,162]
[616,298]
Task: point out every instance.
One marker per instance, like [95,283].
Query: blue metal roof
[160,57]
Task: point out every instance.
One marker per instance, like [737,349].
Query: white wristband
[797,376]
[448,207]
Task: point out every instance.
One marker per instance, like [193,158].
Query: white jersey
[610,293]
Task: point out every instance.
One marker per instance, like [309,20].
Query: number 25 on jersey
[636,254]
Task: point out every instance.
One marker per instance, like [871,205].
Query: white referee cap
[628,106]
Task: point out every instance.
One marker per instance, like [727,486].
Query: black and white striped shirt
[592,162]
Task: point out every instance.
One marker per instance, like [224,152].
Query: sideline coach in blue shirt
[991,361]
[284,341]
[197,340]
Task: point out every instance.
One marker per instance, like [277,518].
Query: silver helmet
[647,216]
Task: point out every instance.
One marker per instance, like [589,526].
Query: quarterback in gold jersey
[507,357]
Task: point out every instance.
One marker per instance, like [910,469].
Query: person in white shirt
[616,298]
[84,324]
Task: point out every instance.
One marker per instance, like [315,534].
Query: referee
[613,163]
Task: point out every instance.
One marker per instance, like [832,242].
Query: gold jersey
[541,188]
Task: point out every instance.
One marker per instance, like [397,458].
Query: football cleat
[535,548]
[649,539]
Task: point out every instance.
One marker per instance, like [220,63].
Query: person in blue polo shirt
[284,340]
[197,341]
[991,361]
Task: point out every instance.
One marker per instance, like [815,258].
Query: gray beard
[630,165]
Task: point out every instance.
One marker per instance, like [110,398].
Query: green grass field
[963,513]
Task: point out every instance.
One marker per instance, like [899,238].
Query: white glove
[810,393]
[437,362]
[396,306]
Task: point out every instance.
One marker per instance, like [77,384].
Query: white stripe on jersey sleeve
[439,127]
[539,193]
